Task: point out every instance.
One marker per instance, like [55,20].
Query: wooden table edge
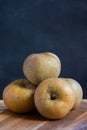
[84,100]
[80,120]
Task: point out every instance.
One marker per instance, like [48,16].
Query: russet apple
[38,67]
[77,90]
[54,98]
[19,96]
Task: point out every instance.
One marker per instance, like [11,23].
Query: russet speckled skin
[54,98]
[77,90]
[38,67]
[19,96]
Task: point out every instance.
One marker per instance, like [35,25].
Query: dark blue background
[43,25]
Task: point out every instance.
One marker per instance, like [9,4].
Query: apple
[54,98]
[19,96]
[77,90]
[38,67]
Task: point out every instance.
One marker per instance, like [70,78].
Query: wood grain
[75,120]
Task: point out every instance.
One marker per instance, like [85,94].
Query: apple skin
[19,96]
[54,98]
[38,67]
[77,90]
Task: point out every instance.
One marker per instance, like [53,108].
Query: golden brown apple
[19,96]
[77,90]
[38,67]
[54,98]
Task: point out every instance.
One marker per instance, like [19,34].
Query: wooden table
[75,120]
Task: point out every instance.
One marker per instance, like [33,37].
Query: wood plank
[75,120]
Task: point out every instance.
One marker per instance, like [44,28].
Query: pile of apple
[42,89]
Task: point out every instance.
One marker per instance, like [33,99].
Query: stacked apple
[42,89]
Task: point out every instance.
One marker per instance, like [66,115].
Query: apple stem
[53,96]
